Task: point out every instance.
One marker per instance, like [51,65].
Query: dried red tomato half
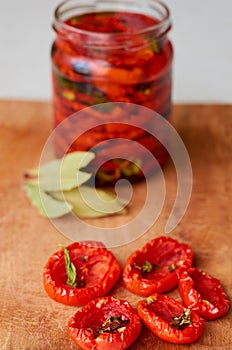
[203,294]
[105,323]
[80,272]
[155,267]
[169,320]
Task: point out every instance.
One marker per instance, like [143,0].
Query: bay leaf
[98,203]
[61,174]
[55,189]
[73,160]
[79,159]
[65,182]
[46,205]
[56,183]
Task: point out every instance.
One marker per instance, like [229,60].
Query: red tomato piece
[169,320]
[97,271]
[203,294]
[155,268]
[105,323]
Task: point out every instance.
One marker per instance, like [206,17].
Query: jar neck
[109,41]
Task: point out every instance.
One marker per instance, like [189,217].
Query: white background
[201,34]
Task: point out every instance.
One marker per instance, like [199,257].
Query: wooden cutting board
[29,319]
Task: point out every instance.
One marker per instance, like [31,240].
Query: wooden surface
[29,319]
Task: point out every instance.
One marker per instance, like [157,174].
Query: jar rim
[157,30]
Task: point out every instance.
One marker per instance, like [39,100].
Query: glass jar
[111,51]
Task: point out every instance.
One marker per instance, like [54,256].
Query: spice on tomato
[105,323]
[203,294]
[155,268]
[169,320]
[80,272]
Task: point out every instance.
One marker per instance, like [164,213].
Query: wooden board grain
[29,320]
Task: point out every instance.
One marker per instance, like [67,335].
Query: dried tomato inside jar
[111,52]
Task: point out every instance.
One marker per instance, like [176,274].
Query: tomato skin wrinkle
[96,266]
[84,325]
[168,259]
[203,293]
[158,314]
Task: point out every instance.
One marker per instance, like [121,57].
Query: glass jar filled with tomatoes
[107,51]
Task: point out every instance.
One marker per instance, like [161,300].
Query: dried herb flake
[180,322]
[112,325]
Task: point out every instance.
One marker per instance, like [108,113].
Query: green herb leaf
[46,205]
[70,269]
